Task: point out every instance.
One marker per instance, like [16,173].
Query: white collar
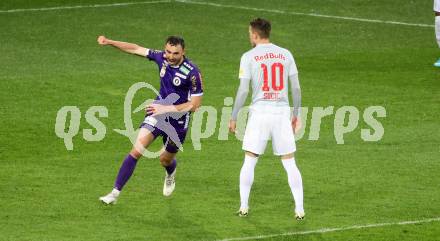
[264,44]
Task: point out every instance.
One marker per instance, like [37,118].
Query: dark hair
[175,40]
[261,26]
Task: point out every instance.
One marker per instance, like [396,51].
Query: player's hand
[158,109]
[232,126]
[102,40]
[296,124]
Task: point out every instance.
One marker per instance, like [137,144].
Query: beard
[171,61]
[174,61]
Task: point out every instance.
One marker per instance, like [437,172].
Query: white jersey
[268,67]
[437,5]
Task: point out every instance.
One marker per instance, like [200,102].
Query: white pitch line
[307,14]
[221,6]
[80,6]
[328,230]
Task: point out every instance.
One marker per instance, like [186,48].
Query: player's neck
[181,61]
[262,41]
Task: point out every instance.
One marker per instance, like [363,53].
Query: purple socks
[128,167]
[125,171]
[170,169]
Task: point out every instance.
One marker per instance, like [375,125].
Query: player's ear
[255,35]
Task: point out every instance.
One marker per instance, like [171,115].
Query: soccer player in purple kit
[180,93]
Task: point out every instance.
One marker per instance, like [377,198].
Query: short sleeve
[292,65]
[245,68]
[155,55]
[196,83]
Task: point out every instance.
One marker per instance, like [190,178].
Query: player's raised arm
[124,46]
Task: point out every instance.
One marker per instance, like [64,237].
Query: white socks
[295,182]
[115,192]
[437,29]
[293,175]
[246,179]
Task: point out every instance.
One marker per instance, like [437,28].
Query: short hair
[261,26]
[175,40]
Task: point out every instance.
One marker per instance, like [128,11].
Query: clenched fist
[102,40]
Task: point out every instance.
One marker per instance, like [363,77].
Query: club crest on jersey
[177,81]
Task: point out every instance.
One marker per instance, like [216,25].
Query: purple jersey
[184,80]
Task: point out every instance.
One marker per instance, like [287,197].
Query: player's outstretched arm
[296,98]
[124,46]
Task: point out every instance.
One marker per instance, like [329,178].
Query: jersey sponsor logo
[201,80]
[193,82]
[184,70]
[180,75]
[269,56]
[177,81]
[153,51]
[162,70]
[188,65]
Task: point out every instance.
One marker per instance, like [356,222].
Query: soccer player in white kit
[268,67]
[437,26]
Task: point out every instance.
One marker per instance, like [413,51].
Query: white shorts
[265,123]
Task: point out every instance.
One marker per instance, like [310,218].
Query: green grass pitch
[50,59]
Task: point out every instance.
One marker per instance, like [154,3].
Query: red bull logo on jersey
[269,56]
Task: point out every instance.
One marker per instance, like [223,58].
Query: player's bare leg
[143,140]
[168,161]
[246,181]
[295,183]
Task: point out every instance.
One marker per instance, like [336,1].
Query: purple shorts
[170,145]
